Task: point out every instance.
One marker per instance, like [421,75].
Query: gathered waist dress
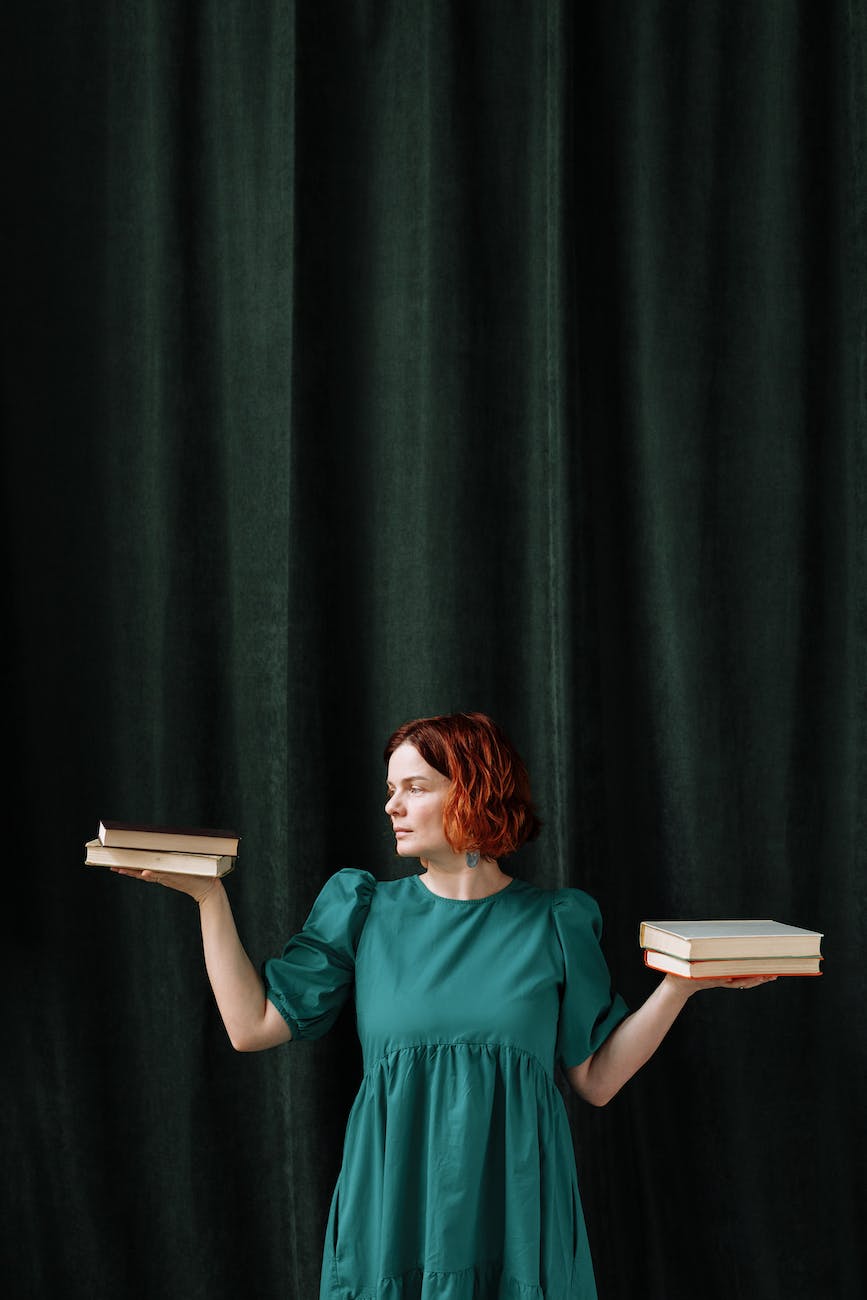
[458,1179]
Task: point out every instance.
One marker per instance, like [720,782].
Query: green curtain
[366,360]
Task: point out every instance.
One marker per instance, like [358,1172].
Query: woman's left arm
[636,1038]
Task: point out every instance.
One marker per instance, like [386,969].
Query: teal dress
[458,1179]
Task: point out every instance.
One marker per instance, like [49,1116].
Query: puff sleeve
[312,979]
[589,1008]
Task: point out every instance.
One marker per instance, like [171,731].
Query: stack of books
[707,949]
[193,850]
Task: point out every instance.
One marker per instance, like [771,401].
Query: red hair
[488,810]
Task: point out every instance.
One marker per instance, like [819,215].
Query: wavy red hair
[488,810]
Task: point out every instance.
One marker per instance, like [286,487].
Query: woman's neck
[454,879]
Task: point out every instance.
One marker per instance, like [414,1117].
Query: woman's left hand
[687,987]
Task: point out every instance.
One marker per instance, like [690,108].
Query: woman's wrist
[680,988]
[214,888]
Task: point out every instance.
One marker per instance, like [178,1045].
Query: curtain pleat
[366,361]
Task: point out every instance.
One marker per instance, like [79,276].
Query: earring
[472,859]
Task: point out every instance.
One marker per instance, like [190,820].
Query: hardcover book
[191,864]
[693,940]
[712,968]
[185,839]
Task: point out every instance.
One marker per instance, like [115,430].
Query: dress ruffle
[480,1282]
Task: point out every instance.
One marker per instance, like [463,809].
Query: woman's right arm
[252,1021]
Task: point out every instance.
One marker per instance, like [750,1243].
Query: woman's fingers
[730,982]
[198,887]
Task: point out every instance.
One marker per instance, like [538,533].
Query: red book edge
[782,974]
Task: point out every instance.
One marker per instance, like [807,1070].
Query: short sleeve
[589,1009]
[312,979]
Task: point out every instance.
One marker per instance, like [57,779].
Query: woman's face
[416,797]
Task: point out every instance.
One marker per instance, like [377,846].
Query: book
[98,854]
[694,940]
[711,968]
[185,839]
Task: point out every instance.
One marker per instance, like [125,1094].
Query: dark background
[369,360]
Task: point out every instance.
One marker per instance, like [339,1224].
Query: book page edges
[97,855]
[735,943]
[181,839]
[695,973]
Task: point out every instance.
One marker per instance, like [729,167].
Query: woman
[458,1176]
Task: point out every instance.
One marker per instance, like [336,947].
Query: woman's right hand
[198,887]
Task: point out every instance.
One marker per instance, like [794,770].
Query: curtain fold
[369,360]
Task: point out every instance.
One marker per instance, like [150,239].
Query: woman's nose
[392,804]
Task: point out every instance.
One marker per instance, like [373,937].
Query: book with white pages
[190,864]
[694,940]
[731,967]
[184,839]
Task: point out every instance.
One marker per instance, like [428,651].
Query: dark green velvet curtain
[370,359]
